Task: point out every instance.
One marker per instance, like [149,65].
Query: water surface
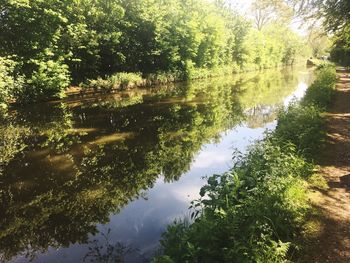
[102,176]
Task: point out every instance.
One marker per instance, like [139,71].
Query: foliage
[161,77]
[48,80]
[121,80]
[267,11]
[302,126]
[126,80]
[273,46]
[256,211]
[162,40]
[334,15]
[250,214]
[10,82]
[321,92]
[84,168]
[100,84]
[340,51]
[319,42]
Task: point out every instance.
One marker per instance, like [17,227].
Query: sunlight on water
[113,171]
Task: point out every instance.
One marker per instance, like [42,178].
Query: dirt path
[333,243]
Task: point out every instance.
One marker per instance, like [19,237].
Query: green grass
[125,80]
[321,92]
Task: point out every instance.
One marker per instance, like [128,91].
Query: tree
[319,42]
[335,17]
[267,11]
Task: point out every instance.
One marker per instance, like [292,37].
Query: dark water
[99,178]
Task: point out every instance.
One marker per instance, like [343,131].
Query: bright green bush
[99,84]
[321,92]
[121,80]
[302,126]
[49,80]
[126,80]
[250,214]
[162,77]
[10,82]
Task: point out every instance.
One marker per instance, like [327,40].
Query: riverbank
[331,242]
[126,81]
[99,157]
[257,211]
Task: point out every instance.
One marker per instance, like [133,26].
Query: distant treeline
[48,45]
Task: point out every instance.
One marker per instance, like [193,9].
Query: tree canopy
[56,43]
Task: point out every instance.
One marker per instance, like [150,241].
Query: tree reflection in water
[106,251]
[66,167]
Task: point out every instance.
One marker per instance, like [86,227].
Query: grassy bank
[124,80]
[257,211]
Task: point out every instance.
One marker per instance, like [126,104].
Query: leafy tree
[268,11]
[166,38]
[10,82]
[319,42]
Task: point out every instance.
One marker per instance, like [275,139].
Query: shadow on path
[333,243]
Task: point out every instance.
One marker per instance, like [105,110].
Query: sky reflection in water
[189,131]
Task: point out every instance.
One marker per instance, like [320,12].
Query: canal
[98,178]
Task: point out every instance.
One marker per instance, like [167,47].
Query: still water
[97,179]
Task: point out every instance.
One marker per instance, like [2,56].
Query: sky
[243,7]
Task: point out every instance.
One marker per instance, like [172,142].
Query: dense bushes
[340,51]
[302,126]
[47,80]
[256,211]
[124,80]
[321,92]
[250,214]
[10,82]
[120,80]
[164,40]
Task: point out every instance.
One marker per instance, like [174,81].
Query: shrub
[48,80]
[161,77]
[121,80]
[302,126]
[100,84]
[321,92]
[126,80]
[192,72]
[250,214]
[10,83]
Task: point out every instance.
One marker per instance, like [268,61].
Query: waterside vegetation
[103,44]
[258,211]
[65,167]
